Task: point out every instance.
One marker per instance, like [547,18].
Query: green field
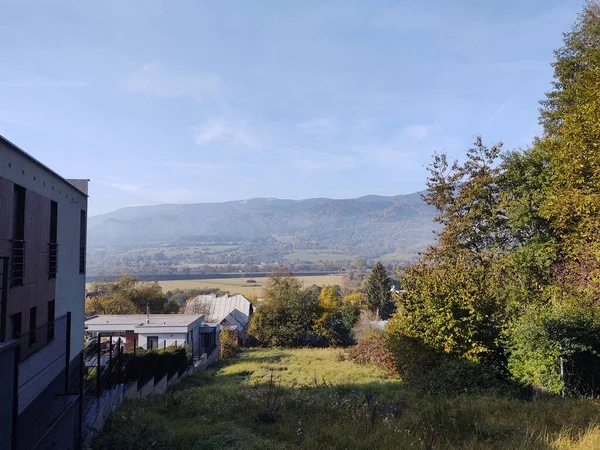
[240,285]
[171,252]
[317,399]
[316,255]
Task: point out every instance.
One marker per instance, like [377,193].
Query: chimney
[147,313]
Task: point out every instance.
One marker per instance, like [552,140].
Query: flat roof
[138,320]
[45,167]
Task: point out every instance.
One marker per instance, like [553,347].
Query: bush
[229,343]
[557,349]
[155,363]
[373,349]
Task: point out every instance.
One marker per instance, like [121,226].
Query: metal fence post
[68,354]
[110,363]
[120,362]
[15,399]
[80,421]
[4,298]
[98,370]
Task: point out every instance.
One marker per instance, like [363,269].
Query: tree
[379,292]
[129,295]
[356,274]
[572,145]
[354,298]
[451,302]
[286,315]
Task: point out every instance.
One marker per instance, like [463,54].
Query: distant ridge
[370,225]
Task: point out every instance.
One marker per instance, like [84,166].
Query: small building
[232,312]
[156,331]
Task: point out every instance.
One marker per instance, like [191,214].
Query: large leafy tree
[450,302]
[571,143]
[129,295]
[286,315]
[379,292]
[521,238]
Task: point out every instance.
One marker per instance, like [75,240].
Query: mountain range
[370,226]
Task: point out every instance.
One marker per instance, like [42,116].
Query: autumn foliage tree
[513,282]
[128,295]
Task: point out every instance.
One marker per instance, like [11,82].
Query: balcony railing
[52,259]
[17,262]
[34,340]
[81,259]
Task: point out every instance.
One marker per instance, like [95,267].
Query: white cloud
[43,83]
[420,131]
[178,195]
[233,133]
[319,125]
[209,132]
[153,80]
[128,186]
[202,166]
[321,161]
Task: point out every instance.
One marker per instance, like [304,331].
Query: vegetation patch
[322,402]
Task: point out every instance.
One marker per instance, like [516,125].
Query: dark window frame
[149,341]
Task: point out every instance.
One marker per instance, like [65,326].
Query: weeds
[320,402]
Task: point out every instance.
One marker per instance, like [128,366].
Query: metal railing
[34,340]
[52,259]
[18,262]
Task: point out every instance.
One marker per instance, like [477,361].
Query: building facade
[43,222]
[157,331]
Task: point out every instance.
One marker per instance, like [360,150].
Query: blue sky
[192,101]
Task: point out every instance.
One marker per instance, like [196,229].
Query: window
[51,313]
[18,243]
[52,240]
[32,325]
[82,239]
[15,324]
[152,342]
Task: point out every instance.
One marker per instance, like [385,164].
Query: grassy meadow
[241,286]
[318,399]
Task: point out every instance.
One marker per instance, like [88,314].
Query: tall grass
[315,399]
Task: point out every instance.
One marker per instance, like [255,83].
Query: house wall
[171,338]
[68,289]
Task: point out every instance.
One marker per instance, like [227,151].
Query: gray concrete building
[43,223]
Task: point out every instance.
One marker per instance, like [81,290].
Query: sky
[180,101]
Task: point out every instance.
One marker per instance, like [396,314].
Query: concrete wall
[40,369]
[160,386]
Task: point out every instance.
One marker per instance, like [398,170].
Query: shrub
[229,343]
[155,363]
[557,349]
[373,349]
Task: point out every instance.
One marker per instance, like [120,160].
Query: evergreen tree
[379,292]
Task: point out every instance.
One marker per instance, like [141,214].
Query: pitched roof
[215,309]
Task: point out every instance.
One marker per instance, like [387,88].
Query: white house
[230,311]
[152,331]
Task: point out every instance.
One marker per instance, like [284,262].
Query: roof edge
[42,165]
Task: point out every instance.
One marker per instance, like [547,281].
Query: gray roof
[216,309]
[143,319]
